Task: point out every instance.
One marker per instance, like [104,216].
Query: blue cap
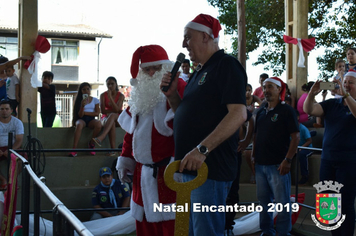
[105,171]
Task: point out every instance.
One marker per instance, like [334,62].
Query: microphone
[29,110]
[180,59]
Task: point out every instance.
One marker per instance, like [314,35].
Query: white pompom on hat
[206,23]
[145,56]
[277,81]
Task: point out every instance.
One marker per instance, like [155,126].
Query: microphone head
[181,57]
[29,110]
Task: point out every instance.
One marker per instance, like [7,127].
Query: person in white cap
[338,159]
[207,119]
[148,144]
[275,144]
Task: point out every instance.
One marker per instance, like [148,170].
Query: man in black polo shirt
[275,143]
[207,119]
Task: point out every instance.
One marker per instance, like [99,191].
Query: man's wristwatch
[203,149]
[288,160]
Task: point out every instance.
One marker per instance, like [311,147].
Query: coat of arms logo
[328,205]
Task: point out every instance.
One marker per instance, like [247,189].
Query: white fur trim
[127,122]
[149,190]
[350,73]
[154,63]
[169,116]
[143,138]
[142,131]
[159,116]
[126,163]
[137,211]
[200,27]
[276,82]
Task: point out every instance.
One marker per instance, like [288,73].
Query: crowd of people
[208,116]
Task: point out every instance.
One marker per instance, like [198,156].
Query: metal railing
[64,221]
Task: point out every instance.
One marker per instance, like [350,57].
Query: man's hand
[284,167]
[166,79]
[192,161]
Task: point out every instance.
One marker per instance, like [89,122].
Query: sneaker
[303,180]
[72,154]
[91,146]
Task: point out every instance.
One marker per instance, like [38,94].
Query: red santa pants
[163,228]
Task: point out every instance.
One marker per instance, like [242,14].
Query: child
[86,108]
[12,88]
[48,100]
[340,65]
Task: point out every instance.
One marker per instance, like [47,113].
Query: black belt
[156,165]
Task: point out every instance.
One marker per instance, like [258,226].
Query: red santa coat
[148,140]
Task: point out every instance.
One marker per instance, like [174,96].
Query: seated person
[8,123]
[111,107]
[86,108]
[110,193]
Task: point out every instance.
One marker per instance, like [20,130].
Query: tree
[331,22]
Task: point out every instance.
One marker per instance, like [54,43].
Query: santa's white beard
[147,93]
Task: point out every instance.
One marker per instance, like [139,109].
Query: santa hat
[207,24]
[145,56]
[351,72]
[277,81]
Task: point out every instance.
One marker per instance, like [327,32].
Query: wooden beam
[28,30]
[296,23]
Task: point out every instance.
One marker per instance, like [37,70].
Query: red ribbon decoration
[308,44]
[303,44]
[42,45]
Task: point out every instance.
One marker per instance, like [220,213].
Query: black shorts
[87,119]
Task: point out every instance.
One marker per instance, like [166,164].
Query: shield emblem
[328,207]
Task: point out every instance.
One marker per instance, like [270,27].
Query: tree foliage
[331,22]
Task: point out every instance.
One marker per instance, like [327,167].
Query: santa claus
[148,143]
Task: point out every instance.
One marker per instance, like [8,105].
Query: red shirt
[259,93]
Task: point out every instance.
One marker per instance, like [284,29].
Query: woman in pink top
[303,117]
[111,106]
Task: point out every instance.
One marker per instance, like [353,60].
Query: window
[8,47]
[65,52]
[65,59]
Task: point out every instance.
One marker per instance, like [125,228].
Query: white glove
[123,176]
[125,165]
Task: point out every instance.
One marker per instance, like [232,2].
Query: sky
[136,23]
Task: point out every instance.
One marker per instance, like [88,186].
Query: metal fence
[64,106]
[64,221]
